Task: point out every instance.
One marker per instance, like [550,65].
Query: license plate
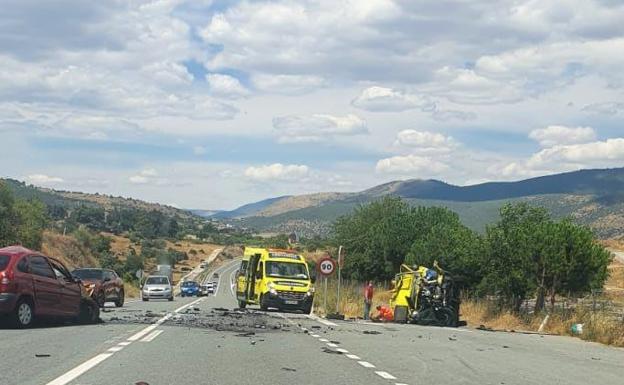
[291,302]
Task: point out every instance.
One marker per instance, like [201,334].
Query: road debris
[289,369]
[374,332]
[42,355]
[330,351]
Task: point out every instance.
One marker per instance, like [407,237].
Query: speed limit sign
[327,266]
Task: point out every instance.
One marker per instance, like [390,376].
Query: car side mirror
[107,279]
[258,275]
[77,280]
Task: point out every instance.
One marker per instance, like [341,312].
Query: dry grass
[67,249]
[351,298]
[597,326]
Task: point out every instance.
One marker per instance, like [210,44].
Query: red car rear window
[4,262]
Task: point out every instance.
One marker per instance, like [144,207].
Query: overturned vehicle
[425,296]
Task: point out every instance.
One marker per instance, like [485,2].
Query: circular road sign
[327,266]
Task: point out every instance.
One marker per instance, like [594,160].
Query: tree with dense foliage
[529,253]
[382,235]
[21,221]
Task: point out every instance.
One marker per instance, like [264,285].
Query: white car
[157,287]
[208,288]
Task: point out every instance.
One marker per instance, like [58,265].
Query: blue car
[189,289]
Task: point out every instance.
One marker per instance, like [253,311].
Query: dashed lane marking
[314,335]
[352,356]
[366,364]
[150,337]
[323,340]
[124,343]
[115,349]
[331,345]
[80,369]
[343,351]
[385,375]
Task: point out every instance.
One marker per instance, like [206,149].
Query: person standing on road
[368,299]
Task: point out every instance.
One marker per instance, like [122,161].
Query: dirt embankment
[68,250]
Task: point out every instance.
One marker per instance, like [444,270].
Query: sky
[212,104]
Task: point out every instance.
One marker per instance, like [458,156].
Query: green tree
[509,267]
[32,221]
[8,217]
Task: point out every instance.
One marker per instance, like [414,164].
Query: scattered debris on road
[374,332]
[42,355]
[330,351]
[289,369]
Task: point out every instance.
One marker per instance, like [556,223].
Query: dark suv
[102,284]
[33,285]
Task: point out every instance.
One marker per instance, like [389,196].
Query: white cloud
[413,165]
[147,176]
[560,158]
[287,84]
[425,141]
[42,179]
[605,108]
[381,99]
[226,86]
[301,128]
[560,135]
[277,172]
[200,150]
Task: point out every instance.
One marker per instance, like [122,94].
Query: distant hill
[70,199]
[592,197]
[249,209]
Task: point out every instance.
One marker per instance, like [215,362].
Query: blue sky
[213,104]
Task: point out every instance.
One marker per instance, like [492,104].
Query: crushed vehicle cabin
[425,296]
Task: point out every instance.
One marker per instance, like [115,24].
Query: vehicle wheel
[182,295]
[263,305]
[170,299]
[145,299]
[89,312]
[100,298]
[120,299]
[307,309]
[447,317]
[242,304]
[24,314]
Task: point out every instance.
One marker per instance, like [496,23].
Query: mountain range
[591,197]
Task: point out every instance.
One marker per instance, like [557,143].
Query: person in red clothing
[368,299]
[384,314]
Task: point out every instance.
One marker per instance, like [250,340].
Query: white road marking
[115,349]
[143,332]
[323,321]
[150,337]
[331,345]
[385,375]
[314,335]
[80,369]
[352,356]
[125,343]
[366,364]
[323,340]
[399,383]
[341,350]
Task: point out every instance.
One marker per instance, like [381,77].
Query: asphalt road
[203,341]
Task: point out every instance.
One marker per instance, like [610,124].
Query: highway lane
[303,351]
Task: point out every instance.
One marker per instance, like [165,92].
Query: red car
[103,285]
[33,285]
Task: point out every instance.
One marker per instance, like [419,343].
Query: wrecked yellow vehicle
[425,296]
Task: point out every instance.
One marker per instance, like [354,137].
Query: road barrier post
[339,279]
[325,295]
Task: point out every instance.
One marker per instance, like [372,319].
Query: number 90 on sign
[327,266]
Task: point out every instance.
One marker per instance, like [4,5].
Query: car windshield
[88,273]
[189,284]
[287,270]
[4,261]
[157,281]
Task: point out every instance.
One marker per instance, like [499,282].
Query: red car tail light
[6,280]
